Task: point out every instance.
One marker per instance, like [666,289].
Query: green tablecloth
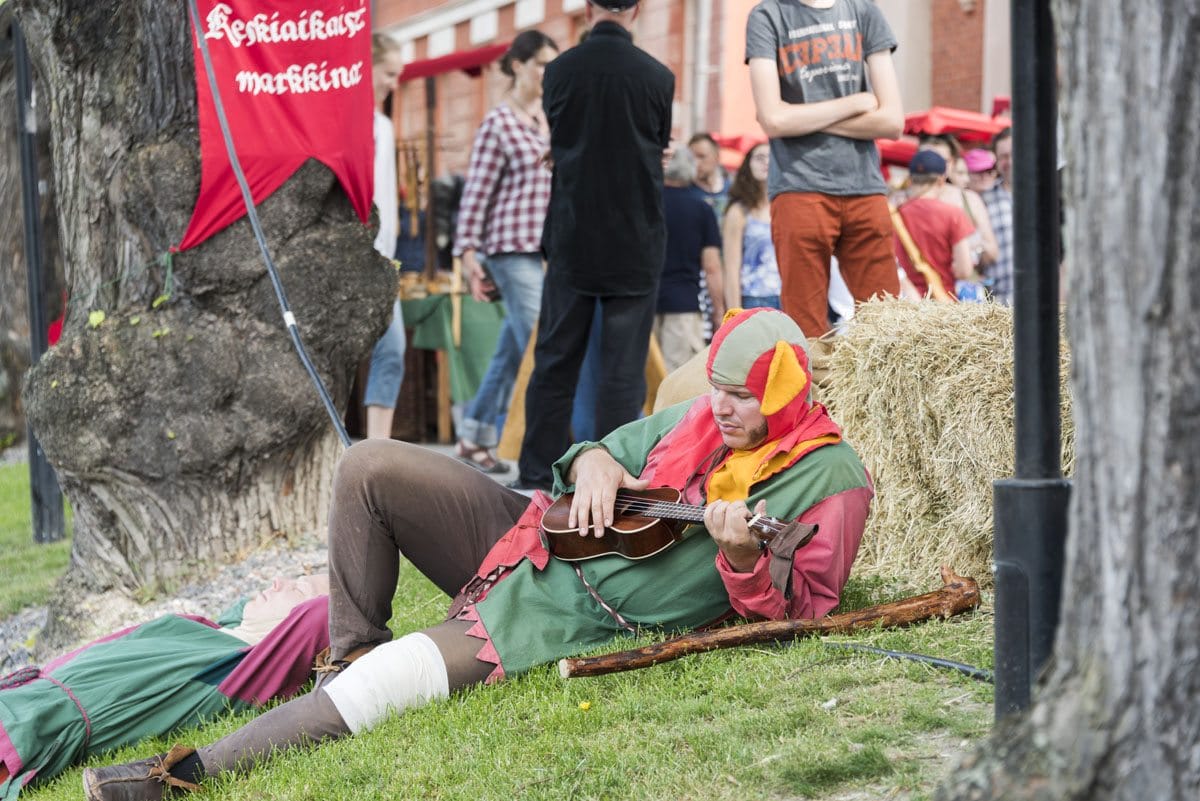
[429,319]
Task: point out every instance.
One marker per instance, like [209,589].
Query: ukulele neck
[763,525]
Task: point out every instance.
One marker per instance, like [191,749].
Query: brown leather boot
[144,780]
[327,669]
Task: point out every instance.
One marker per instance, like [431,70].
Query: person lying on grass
[756,441]
[172,672]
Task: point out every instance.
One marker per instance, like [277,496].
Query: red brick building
[952,53]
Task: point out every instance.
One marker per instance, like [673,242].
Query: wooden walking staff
[957,595]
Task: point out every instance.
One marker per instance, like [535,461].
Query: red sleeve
[960,226]
[281,663]
[819,569]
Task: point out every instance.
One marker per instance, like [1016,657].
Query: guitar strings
[652,508]
[694,513]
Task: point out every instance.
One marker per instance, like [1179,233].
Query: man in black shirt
[609,108]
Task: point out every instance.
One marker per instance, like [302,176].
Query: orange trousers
[808,228]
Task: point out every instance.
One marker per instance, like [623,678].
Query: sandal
[479,457]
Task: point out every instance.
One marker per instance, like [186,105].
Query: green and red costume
[804,472]
[173,672]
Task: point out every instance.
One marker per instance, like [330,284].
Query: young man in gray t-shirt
[825,89]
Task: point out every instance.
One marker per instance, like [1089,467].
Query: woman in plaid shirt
[500,225]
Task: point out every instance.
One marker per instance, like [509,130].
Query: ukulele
[644,523]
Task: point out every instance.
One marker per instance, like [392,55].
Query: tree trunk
[182,432]
[1117,716]
[14,306]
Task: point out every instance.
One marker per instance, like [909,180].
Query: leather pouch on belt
[783,547]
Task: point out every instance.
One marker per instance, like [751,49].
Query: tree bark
[1116,715]
[182,432]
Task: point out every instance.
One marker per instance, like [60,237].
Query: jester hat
[766,352]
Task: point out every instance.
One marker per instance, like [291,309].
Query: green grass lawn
[29,569]
[776,722]
[779,722]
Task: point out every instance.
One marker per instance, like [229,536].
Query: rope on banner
[289,318]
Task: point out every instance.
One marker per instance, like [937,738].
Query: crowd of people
[589,224]
[802,221]
[954,221]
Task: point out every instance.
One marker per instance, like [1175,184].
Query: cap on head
[615,6]
[927,162]
[766,352]
[979,160]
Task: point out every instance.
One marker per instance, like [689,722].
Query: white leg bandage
[394,676]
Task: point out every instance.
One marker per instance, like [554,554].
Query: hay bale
[924,392]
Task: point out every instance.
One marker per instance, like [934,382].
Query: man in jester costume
[754,445]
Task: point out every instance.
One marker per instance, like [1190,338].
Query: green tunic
[169,673]
[679,588]
[160,676]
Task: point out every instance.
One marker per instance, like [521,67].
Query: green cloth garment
[144,681]
[172,672]
[533,617]
[430,321]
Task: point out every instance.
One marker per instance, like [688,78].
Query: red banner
[295,81]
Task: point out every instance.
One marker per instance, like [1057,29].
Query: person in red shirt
[940,232]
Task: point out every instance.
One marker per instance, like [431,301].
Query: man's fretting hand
[597,476]
[727,524]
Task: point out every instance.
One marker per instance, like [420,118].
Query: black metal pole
[1031,508]
[47,505]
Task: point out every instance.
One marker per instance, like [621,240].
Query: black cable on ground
[288,318]
[977,673]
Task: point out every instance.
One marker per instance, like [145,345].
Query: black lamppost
[1031,508]
[47,504]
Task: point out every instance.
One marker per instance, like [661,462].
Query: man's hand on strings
[726,522]
[597,477]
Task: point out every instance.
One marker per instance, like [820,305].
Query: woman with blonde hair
[386,371]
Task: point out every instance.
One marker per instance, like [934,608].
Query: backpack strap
[937,289]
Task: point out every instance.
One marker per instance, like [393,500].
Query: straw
[924,392]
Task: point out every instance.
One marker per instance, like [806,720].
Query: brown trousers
[807,228]
[390,499]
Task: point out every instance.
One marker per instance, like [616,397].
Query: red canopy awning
[471,62]
[897,152]
[739,142]
[967,126]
